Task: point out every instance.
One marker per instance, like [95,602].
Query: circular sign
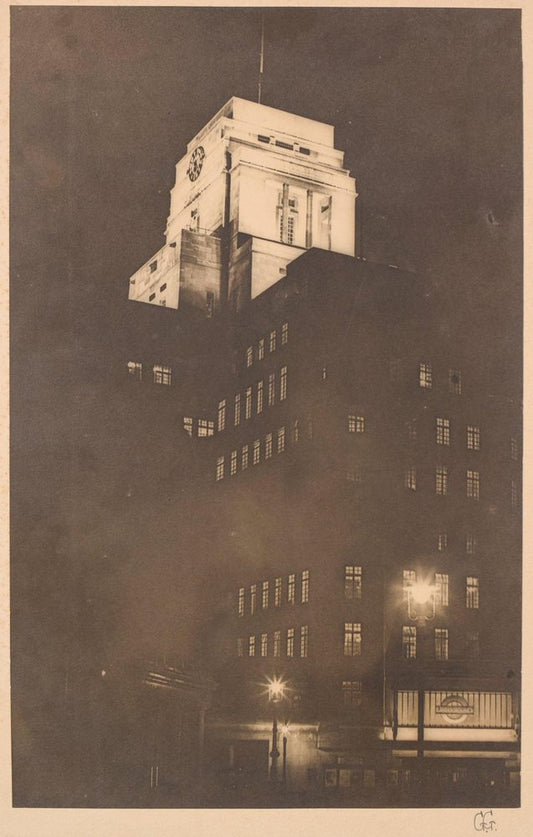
[195,163]
[454,708]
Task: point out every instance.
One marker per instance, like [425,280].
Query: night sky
[427,107]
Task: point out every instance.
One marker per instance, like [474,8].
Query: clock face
[196,163]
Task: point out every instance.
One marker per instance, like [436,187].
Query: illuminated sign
[454,708]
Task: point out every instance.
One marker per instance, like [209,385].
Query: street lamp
[284,732]
[421,602]
[276,692]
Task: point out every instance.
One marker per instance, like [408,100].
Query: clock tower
[256,188]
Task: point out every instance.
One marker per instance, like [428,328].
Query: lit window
[271,389]
[153,266]
[283,384]
[277,592]
[443,431]
[408,580]
[290,642]
[284,334]
[277,643]
[472,645]
[253,598]
[188,425]
[472,484]
[411,429]
[135,370]
[351,692]
[221,423]
[356,424]
[442,542]
[251,646]
[514,448]
[305,586]
[470,543]
[264,645]
[441,643]
[353,475]
[268,445]
[163,375]
[237,413]
[248,403]
[264,595]
[233,463]
[441,480]
[261,349]
[410,478]
[425,377]
[290,229]
[256,452]
[441,589]
[352,639]
[291,584]
[295,431]
[472,592]
[240,647]
[249,356]
[455,381]
[304,641]
[353,582]
[272,341]
[260,397]
[324,373]
[473,437]
[240,606]
[205,427]
[219,474]
[244,458]
[281,440]
[409,642]
[514,495]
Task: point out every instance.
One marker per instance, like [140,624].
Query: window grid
[425,377]
[472,484]
[352,639]
[353,582]
[268,445]
[256,454]
[291,585]
[277,592]
[253,598]
[442,542]
[162,375]
[261,349]
[249,356]
[441,480]
[284,334]
[473,437]
[408,579]
[409,642]
[441,644]
[305,586]
[304,641]
[260,397]
[135,370]
[455,381]
[283,384]
[233,463]
[472,644]
[205,428]
[443,431]
[271,389]
[290,642]
[277,644]
[470,543]
[472,592]
[221,423]
[295,431]
[264,595]
[248,403]
[188,425]
[351,692]
[264,645]
[442,585]
[281,440]
[219,474]
[237,411]
[356,424]
[251,646]
[410,478]
[272,341]
[244,458]
[240,605]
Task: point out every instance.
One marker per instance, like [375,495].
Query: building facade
[360,484]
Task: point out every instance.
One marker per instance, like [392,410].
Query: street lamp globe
[422,592]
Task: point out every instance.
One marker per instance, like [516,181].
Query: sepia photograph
[266,305]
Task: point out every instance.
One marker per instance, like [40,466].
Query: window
[290,642]
[256,452]
[353,475]
[356,424]
[264,595]
[261,349]
[163,288]
[244,458]
[135,370]
[240,605]
[162,375]
[353,582]
[443,431]
[472,484]
[271,389]
[264,645]
[305,586]
[295,432]
[352,639]
[153,266]
[251,646]
[473,437]
[163,302]
[283,384]
[281,440]
[249,356]
[240,647]
[441,643]
[441,589]
[151,297]
[470,543]
[272,341]
[454,381]
[248,403]
[472,592]
[209,304]
[284,334]
[188,425]
[233,463]
[409,642]
[351,692]
[277,592]
[514,495]
[237,413]
[268,445]
[221,423]
[442,542]
[324,373]
[260,397]
[219,474]
[291,588]
[408,579]
[304,641]
[472,645]
[277,643]
[253,598]
[410,478]
[425,378]
[441,480]
[514,447]
[411,429]
[205,428]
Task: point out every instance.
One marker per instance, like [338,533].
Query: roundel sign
[195,163]
[455,709]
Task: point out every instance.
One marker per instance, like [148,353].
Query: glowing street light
[421,601]
[276,692]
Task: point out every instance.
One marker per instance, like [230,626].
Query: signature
[484,821]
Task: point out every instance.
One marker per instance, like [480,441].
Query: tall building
[359,480]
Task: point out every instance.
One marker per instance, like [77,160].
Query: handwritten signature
[484,821]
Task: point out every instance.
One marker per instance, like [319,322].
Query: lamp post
[284,732]
[276,692]
[421,609]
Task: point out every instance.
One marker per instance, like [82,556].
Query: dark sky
[426,105]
